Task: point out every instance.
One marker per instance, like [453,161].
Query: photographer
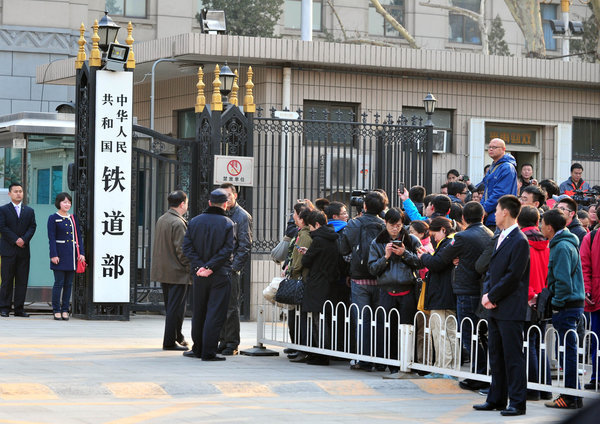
[575,181]
[356,240]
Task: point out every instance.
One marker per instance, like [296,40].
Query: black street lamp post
[429,102]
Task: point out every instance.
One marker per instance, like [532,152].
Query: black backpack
[359,264]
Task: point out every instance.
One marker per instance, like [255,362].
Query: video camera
[357,198]
[585,198]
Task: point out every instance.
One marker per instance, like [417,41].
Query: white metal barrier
[375,336]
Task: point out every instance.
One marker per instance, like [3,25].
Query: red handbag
[81,265]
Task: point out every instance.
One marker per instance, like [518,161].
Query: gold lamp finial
[234,90]
[129,40]
[200,99]
[217,101]
[95,56]
[249,105]
[81,57]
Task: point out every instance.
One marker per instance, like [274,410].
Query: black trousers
[507,363]
[230,333]
[211,297]
[15,273]
[175,297]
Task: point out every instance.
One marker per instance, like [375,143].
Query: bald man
[500,179]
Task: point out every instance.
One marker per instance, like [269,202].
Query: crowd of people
[513,251]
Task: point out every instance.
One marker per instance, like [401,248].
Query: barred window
[586,139]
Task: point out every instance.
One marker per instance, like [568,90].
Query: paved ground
[115,372]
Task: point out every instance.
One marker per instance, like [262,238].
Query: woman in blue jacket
[63,254]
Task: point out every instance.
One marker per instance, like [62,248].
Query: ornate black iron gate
[312,158]
[160,165]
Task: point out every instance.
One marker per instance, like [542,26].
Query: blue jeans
[63,282]
[466,306]
[563,321]
[362,296]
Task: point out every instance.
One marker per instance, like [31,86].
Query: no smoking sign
[238,170]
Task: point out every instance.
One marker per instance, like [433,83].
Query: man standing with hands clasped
[17,227]
[208,244]
[505,296]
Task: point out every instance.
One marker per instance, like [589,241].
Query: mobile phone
[401,187]
[397,243]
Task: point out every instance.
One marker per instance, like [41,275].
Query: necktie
[500,240]
[18,209]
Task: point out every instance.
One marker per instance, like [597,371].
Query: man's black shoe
[511,411]
[591,385]
[191,354]
[214,358]
[229,351]
[4,314]
[289,350]
[469,384]
[175,347]
[22,314]
[293,355]
[487,406]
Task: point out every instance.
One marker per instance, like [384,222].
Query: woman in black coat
[321,259]
[439,296]
[63,254]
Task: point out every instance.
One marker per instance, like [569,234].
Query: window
[49,184]
[548,12]
[186,124]
[292,14]
[463,29]
[130,8]
[586,135]
[378,25]
[442,124]
[322,132]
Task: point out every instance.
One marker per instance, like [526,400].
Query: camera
[357,198]
[585,198]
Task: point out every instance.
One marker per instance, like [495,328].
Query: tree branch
[455,9]
[394,23]
[338,19]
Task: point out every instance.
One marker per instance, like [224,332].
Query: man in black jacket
[505,297]
[569,207]
[17,227]
[208,244]
[356,240]
[467,246]
[230,333]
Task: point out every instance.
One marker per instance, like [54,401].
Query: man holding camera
[574,182]
[356,240]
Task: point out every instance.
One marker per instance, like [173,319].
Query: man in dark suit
[17,226]
[505,297]
[208,244]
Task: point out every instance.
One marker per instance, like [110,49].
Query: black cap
[218,196]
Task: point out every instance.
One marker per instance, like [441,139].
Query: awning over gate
[19,125]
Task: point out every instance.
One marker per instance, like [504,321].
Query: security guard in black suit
[505,297]
[208,244]
[17,227]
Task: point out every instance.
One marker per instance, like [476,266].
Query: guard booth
[36,149]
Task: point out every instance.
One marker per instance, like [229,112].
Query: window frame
[582,143]
[124,14]
[463,26]
[386,25]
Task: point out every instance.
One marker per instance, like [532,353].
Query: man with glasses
[533,196]
[499,180]
[458,192]
[569,207]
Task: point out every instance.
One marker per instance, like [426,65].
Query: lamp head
[107,31]
[429,102]
[227,77]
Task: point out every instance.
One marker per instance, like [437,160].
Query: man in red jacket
[539,255]
[590,264]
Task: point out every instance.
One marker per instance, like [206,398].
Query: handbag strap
[75,231]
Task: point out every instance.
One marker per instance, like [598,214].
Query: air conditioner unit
[439,141]
[348,172]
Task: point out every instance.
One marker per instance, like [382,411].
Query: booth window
[129,8]
[586,135]
[378,26]
[49,184]
[292,14]
[463,29]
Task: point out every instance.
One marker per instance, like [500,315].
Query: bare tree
[595,4]
[527,15]
[394,23]
[479,18]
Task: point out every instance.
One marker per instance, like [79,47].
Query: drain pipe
[284,169]
[307,20]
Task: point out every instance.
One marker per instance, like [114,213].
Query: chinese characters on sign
[512,135]
[238,170]
[112,186]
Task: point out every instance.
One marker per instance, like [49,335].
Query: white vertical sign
[112,186]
